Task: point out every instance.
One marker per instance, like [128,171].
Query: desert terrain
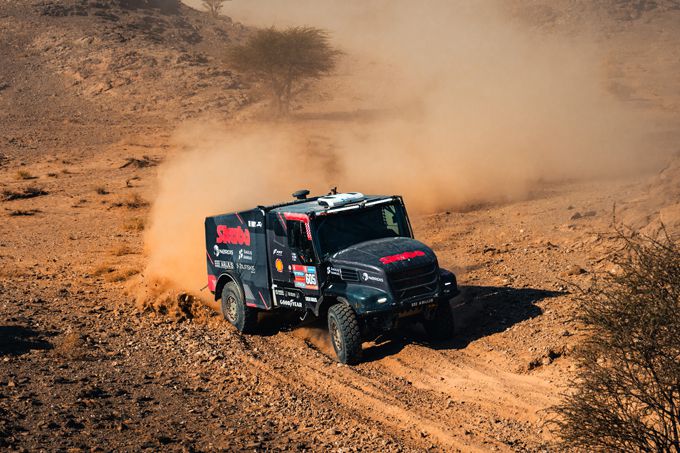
[99,100]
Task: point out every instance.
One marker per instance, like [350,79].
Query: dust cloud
[447,103]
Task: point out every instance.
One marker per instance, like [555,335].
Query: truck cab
[348,258]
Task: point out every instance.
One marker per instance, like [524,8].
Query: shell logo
[279,265]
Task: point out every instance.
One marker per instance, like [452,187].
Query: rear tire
[441,326]
[235,310]
[343,327]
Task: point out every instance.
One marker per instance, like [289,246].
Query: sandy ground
[82,367]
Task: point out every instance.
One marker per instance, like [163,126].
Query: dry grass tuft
[101,190]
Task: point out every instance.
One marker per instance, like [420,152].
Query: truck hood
[390,254]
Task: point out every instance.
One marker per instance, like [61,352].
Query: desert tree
[213,6]
[284,58]
[626,396]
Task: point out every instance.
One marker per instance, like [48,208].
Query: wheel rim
[230,308]
[336,337]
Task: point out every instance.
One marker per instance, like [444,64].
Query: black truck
[346,257]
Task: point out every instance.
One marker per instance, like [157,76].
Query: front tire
[235,310]
[441,326]
[343,327]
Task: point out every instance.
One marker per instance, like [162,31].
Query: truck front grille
[416,283]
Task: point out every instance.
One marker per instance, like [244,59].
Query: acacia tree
[626,396]
[213,6]
[283,58]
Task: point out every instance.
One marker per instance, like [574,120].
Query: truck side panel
[236,245]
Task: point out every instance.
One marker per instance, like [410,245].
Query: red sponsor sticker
[401,256]
[212,281]
[233,236]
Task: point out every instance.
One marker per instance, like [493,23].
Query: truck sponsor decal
[287,293]
[245,267]
[218,251]
[333,271]
[279,265]
[212,282]
[305,277]
[401,256]
[422,302]
[290,303]
[227,265]
[233,236]
[245,255]
[366,277]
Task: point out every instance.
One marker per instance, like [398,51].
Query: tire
[343,328]
[235,310]
[441,326]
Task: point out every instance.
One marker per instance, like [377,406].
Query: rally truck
[348,258]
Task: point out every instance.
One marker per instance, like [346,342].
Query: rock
[576,216]
[575,269]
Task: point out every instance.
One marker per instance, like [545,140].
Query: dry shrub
[23,212]
[27,192]
[101,190]
[134,201]
[136,224]
[102,269]
[144,162]
[626,396]
[72,345]
[122,250]
[23,174]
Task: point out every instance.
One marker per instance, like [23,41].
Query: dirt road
[82,366]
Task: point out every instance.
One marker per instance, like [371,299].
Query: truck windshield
[344,229]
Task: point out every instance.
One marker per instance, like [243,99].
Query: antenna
[301,194]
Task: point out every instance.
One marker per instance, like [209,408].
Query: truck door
[293,262]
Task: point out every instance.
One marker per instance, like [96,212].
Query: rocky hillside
[104,67]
